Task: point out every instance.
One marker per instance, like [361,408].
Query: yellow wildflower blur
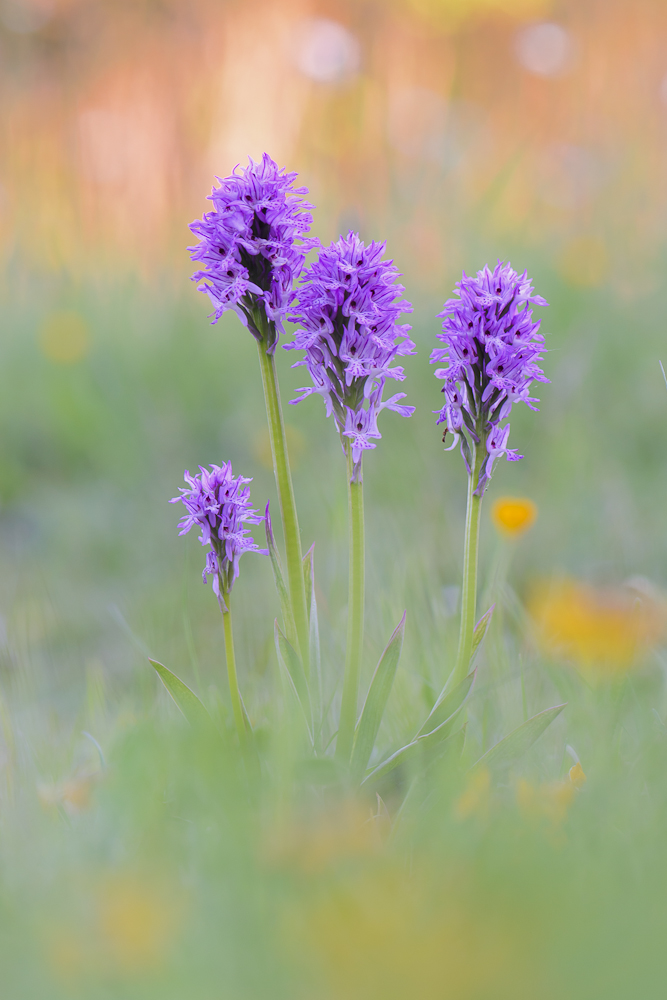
[512,516]
[604,630]
[577,776]
[390,931]
[550,801]
[74,794]
[136,922]
[347,832]
[128,924]
[474,800]
[64,338]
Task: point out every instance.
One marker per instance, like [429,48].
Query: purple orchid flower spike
[218,504]
[348,309]
[493,348]
[253,246]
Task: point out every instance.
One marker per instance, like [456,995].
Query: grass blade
[515,745]
[281,587]
[186,700]
[376,699]
[448,705]
[292,669]
[480,631]
[435,743]
[314,631]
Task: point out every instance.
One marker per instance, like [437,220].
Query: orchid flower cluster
[347,306]
[493,348]
[253,246]
[348,310]
[217,503]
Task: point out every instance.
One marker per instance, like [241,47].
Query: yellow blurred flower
[474,801]
[549,801]
[577,776]
[136,922]
[604,630]
[348,831]
[73,795]
[512,516]
[390,931]
[120,925]
[64,338]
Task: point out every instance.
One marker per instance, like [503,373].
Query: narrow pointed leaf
[448,705]
[515,745]
[314,631]
[376,699]
[186,700]
[435,743]
[281,587]
[292,669]
[480,631]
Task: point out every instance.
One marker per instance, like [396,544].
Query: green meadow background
[451,131]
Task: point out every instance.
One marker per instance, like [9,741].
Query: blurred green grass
[94,579]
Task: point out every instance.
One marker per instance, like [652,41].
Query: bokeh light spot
[326,51]
[584,262]
[512,516]
[604,630]
[544,49]
[136,922]
[64,338]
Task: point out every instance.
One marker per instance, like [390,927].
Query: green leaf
[292,669]
[376,700]
[186,700]
[448,706]
[440,741]
[480,631]
[281,587]
[314,632]
[515,745]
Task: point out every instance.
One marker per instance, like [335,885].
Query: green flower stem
[231,669]
[295,577]
[355,614]
[470,554]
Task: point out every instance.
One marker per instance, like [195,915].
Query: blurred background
[461,131]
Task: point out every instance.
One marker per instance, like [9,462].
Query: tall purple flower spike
[253,246]
[348,309]
[492,346]
[218,504]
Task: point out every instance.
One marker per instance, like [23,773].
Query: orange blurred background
[535,122]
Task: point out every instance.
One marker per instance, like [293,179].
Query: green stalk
[295,577]
[470,554]
[231,669]
[355,614]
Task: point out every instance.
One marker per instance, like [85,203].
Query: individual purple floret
[348,309]
[492,346]
[217,503]
[252,246]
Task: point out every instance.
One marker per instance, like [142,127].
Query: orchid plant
[347,307]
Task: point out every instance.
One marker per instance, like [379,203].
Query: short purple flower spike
[217,503]
[252,246]
[348,309]
[492,346]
